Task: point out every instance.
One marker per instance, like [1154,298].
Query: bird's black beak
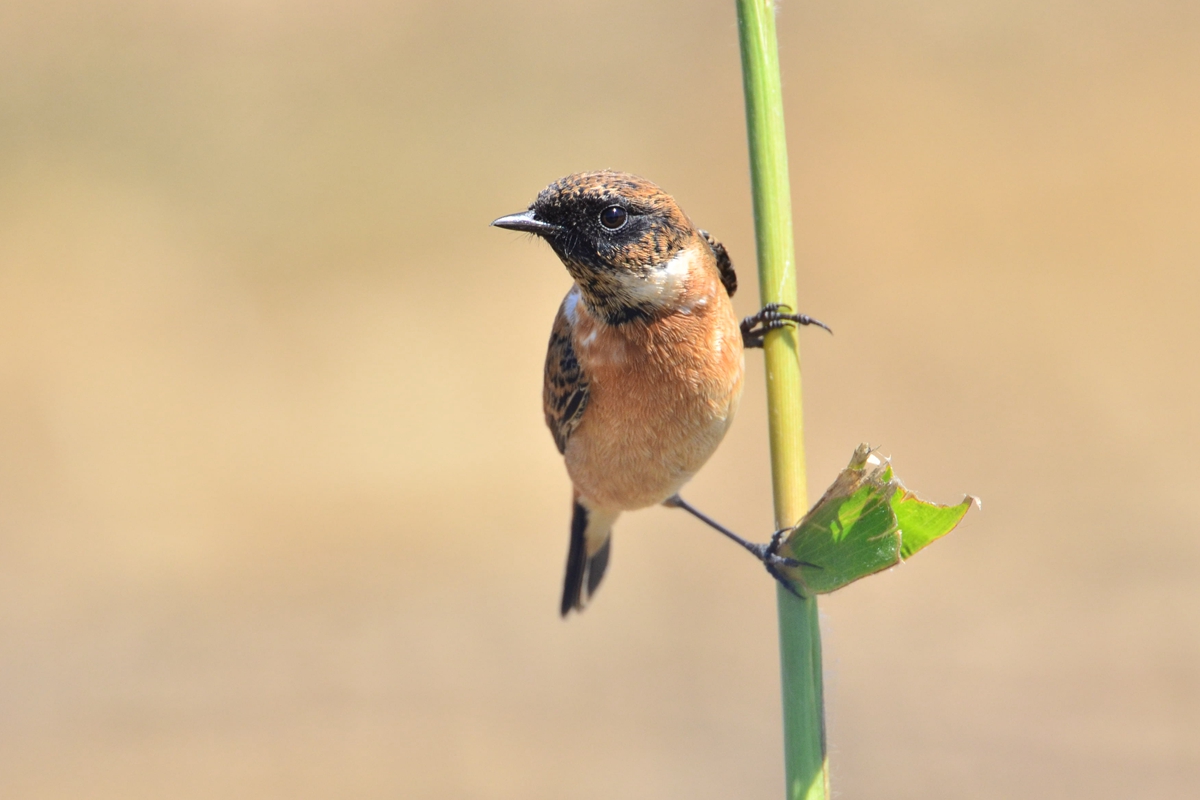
[528,222]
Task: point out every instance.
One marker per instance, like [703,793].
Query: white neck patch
[663,285]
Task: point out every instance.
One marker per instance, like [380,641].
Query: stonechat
[645,365]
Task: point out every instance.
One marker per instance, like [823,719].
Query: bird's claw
[769,554]
[777,538]
[771,317]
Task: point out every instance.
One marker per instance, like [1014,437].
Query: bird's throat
[619,296]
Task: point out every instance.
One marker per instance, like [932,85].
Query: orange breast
[661,396]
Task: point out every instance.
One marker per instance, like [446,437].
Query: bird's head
[624,241]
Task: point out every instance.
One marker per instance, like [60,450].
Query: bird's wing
[724,263]
[565,391]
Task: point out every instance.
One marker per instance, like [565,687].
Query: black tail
[587,557]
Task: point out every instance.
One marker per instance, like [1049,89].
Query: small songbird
[645,364]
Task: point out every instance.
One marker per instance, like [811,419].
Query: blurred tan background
[278,514]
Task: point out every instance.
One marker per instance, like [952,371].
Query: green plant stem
[799,633]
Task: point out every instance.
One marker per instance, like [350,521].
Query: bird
[645,364]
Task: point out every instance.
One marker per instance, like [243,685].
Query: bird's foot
[771,317]
[774,562]
[768,553]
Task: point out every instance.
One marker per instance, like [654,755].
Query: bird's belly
[644,436]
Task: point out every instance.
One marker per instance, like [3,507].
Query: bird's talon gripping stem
[782,561]
[777,538]
[772,552]
[771,317]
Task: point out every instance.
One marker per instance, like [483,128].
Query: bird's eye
[613,217]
